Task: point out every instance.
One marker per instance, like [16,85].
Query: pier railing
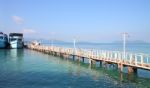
[137,60]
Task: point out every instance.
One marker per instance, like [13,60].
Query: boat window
[13,39]
[19,39]
[5,38]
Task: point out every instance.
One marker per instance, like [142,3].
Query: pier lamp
[124,35]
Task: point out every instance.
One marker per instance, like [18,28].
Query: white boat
[16,40]
[3,40]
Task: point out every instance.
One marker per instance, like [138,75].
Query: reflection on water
[16,53]
[29,69]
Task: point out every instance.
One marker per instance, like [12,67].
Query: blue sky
[86,20]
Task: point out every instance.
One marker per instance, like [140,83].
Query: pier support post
[132,70]
[83,59]
[53,53]
[120,66]
[66,56]
[73,56]
[78,58]
[93,62]
[90,61]
[121,76]
[63,55]
[100,63]
[58,54]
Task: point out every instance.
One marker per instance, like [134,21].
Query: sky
[83,20]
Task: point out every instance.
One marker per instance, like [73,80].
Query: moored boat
[16,40]
[3,40]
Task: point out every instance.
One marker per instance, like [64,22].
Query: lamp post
[74,43]
[74,46]
[51,42]
[124,35]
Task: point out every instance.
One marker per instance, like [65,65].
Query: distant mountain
[86,42]
[93,43]
[60,41]
[133,42]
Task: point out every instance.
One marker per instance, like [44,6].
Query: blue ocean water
[23,68]
[133,48]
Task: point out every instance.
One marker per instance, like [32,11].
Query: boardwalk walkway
[132,61]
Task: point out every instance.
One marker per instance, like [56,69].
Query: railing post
[111,55]
[131,56]
[92,54]
[107,55]
[97,54]
[135,59]
[147,60]
[142,60]
[115,56]
[119,57]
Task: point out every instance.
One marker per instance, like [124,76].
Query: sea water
[23,68]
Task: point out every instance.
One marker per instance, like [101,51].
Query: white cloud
[29,31]
[17,19]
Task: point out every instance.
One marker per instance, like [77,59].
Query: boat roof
[1,32]
[15,34]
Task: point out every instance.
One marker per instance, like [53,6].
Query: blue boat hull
[3,44]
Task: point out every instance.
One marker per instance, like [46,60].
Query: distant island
[133,42]
[87,42]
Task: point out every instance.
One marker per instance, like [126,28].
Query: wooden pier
[132,61]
